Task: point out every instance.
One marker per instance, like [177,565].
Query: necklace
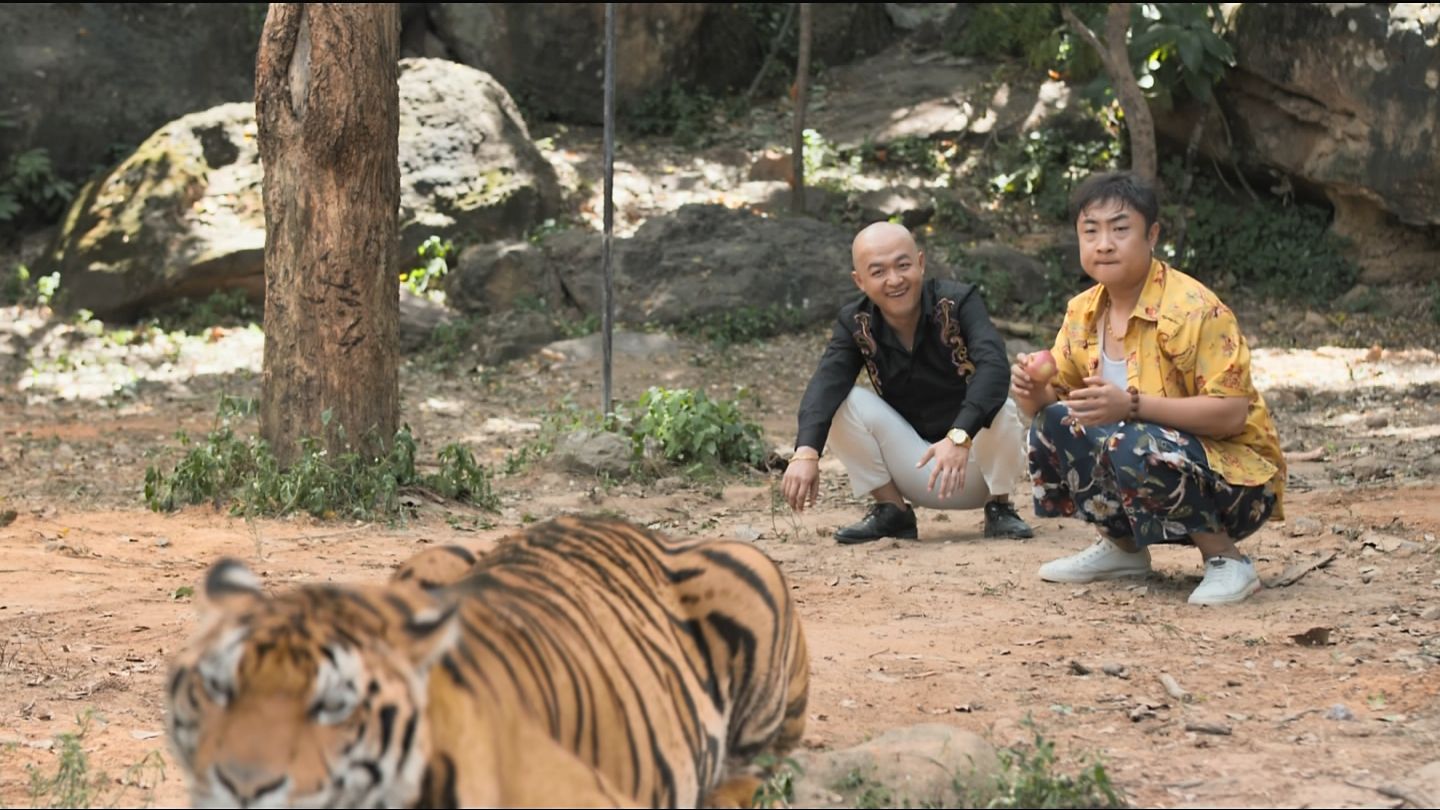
[1109,330]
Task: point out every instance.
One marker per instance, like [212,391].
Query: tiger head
[313,698]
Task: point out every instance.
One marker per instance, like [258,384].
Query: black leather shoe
[883,520]
[1001,520]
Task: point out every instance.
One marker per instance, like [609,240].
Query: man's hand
[1098,403]
[1030,396]
[950,463]
[801,485]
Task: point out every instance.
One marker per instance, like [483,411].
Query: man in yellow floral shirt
[1151,428]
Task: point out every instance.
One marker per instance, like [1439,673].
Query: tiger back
[588,662]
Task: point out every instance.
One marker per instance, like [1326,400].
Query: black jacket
[956,375]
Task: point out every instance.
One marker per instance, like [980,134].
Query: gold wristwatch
[959,437]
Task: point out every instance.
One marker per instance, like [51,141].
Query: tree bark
[802,97]
[327,105]
[1115,57]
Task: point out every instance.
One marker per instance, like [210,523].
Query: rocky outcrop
[182,215]
[711,46]
[1343,100]
[709,260]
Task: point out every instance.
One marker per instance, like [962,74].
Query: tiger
[584,662]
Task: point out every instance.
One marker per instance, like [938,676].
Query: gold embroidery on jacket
[866,342]
[950,336]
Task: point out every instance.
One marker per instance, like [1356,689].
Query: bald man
[936,428]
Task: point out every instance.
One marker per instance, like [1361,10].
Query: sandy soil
[954,628]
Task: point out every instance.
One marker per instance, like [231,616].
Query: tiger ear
[430,632]
[230,586]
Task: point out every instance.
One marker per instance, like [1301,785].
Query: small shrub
[20,288]
[1043,166]
[74,784]
[30,189]
[745,324]
[243,472]
[228,308]
[691,428]
[778,789]
[1028,779]
[1031,31]
[674,110]
[433,254]
[1266,247]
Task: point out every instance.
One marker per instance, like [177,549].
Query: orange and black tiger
[584,662]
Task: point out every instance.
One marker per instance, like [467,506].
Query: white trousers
[878,446]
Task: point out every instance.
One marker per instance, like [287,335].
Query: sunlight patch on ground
[1331,368]
[71,363]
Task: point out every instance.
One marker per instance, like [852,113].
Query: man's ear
[855,277]
[1154,235]
[920,260]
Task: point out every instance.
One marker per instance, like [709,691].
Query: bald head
[889,268]
[881,241]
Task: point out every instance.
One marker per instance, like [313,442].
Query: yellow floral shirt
[1181,342]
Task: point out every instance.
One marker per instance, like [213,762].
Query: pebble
[1339,712]
[1430,614]
[1377,421]
[162,542]
[1305,526]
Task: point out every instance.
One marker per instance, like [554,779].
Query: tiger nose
[251,786]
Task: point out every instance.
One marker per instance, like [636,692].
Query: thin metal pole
[802,97]
[607,319]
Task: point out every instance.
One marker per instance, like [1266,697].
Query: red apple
[1041,366]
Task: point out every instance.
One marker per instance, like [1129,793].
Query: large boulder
[551,55]
[467,165]
[82,78]
[1350,106]
[709,259]
[182,215]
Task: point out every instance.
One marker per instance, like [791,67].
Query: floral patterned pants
[1137,480]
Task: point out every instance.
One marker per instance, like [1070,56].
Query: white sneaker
[1227,580]
[1104,560]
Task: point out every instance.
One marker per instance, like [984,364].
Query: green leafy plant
[75,784]
[433,254]
[30,189]
[1176,46]
[1031,31]
[20,288]
[227,308]
[691,428]
[676,111]
[745,324]
[1043,166]
[1264,246]
[1028,779]
[778,789]
[243,472]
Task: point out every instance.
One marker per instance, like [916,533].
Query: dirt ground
[953,628]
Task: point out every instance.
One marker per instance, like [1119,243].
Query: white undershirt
[1112,371]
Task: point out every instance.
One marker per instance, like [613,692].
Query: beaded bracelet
[1134,404]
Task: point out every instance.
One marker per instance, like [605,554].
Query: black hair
[1123,187]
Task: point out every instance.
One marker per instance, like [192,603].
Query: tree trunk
[1115,56]
[327,104]
[802,97]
